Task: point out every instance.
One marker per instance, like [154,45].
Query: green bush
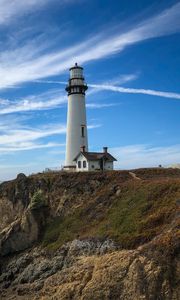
[38,200]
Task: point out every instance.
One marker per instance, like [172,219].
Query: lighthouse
[76,136]
[78,158]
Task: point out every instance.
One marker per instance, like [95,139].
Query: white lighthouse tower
[76,117]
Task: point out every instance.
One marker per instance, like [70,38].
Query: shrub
[37,200]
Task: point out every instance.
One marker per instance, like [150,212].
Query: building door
[101,165]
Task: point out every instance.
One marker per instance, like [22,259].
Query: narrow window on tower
[82,131]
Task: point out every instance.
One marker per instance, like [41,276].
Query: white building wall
[108,165]
[81,158]
[76,118]
[94,165]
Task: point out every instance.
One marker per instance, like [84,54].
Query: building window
[84,164]
[79,164]
[92,166]
[82,131]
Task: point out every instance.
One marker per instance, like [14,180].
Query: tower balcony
[76,88]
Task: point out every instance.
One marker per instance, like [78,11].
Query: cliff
[111,235]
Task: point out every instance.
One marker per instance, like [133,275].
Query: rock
[21,176]
[90,269]
[22,233]
[90,212]
[118,192]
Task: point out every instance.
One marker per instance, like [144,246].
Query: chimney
[82,148]
[105,149]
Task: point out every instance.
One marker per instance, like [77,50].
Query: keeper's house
[89,161]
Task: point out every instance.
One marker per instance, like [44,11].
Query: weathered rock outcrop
[94,269]
[91,236]
[32,215]
[23,232]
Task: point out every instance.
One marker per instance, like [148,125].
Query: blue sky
[130,54]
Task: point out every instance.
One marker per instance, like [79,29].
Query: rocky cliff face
[91,236]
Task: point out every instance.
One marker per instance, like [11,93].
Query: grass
[62,230]
[141,211]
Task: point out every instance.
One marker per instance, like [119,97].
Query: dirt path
[134,176]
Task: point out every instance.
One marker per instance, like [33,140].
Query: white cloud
[28,134]
[94,126]
[4,101]
[137,156]
[15,136]
[121,79]
[14,147]
[135,91]
[54,98]
[48,100]
[111,86]
[99,105]
[10,9]
[30,65]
